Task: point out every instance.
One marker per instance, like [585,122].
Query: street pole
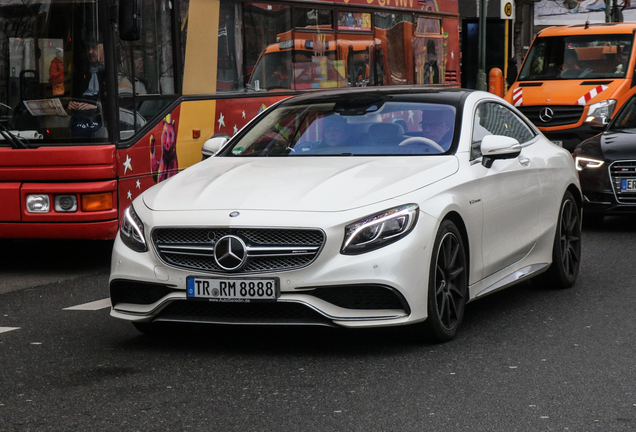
[481,73]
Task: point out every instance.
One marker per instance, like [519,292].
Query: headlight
[132,231]
[586,163]
[379,230]
[601,111]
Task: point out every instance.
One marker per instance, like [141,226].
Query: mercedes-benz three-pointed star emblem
[546,114]
[230,253]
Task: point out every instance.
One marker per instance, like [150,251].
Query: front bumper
[385,287]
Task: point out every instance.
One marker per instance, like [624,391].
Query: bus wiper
[15,141]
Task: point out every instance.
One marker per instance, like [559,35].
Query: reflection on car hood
[619,144]
[296,184]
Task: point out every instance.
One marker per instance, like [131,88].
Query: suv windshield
[350,128]
[578,57]
[52,82]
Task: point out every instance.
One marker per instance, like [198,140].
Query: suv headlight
[601,111]
[586,163]
[378,230]
[132,231]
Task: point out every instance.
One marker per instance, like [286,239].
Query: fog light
[38,203]
[65,203]
[97,202]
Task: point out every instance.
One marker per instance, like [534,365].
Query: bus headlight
[378,230]
[601,111]
[132,231]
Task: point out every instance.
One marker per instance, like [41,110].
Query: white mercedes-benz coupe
[353,208]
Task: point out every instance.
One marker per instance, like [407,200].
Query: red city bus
[99,103]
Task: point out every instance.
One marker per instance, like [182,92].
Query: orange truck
[575,78]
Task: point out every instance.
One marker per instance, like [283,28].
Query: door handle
[524,161]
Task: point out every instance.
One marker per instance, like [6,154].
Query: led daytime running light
[584,163]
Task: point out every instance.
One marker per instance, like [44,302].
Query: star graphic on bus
[127,164]
[235,130]
[138,184]
[411,113]
[221,121]
[129,195]
[243,114]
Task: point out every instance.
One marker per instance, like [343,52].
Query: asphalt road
[526,359]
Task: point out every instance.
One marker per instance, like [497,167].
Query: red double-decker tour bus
[100,100]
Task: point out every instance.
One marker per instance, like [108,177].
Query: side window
[494,119]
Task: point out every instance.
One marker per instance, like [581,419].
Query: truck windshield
[578,57]
[52,83]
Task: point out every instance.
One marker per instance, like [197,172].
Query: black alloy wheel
[448,285]
[566,251]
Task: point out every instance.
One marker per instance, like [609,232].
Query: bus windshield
[578,57]
[52,83]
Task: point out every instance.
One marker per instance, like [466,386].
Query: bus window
[263,25]
[145,68]
[305,18]
[394,32]
[229,72]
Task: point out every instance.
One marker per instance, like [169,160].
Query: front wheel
[566,250]
[447,285]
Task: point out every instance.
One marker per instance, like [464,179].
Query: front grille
[268,249]
[619,171]
[562,114]
[361,297]
[242,313]
[122,291]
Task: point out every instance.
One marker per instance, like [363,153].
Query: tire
[592,220]
[447,285]
[566,250]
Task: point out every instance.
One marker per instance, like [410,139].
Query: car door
[510,191]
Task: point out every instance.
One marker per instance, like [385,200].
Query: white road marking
[7,329]
[92,306]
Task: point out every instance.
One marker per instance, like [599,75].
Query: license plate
[628,185]
[232,290]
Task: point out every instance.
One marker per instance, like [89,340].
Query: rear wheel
[447,285]
[566,251]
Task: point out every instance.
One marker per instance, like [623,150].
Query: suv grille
[619,171]
[268,250]
[562,114]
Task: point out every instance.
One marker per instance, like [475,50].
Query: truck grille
[619,171]
[562,114]
[268,250]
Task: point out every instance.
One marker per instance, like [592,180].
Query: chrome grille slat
[268,249]
[623,170]
[562,114]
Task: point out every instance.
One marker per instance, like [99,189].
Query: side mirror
[213,145]
[129,22]
[495,147]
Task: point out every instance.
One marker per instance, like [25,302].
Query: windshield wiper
[15,141]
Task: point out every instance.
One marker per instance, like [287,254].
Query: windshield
[626,118]
[577,57]
[52,82]
[351,128]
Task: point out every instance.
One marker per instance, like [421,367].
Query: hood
[565,92]
[617,145]
[296,184]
